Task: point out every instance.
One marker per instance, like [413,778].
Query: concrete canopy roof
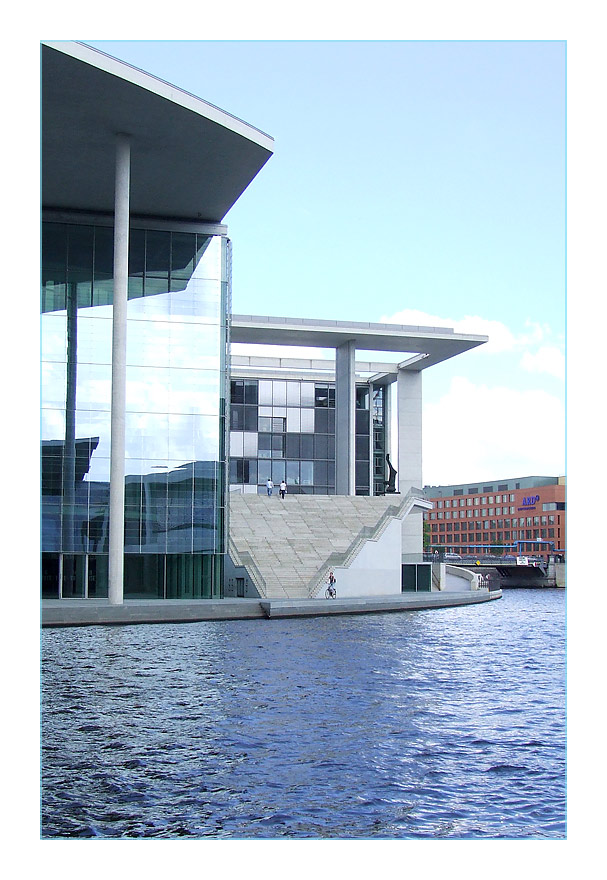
[427,345]
[189,160]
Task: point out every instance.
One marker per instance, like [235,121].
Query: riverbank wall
[99,612]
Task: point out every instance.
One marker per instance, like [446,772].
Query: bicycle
[330,592]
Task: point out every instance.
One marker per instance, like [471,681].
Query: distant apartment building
[520,516]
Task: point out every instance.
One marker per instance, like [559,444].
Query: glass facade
[379,440]
[284,429]
[175,484]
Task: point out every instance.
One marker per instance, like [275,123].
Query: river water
[446,723]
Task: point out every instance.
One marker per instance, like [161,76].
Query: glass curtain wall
[175,485]
[284,429]
[379,440]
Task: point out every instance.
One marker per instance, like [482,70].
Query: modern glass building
[284,429]
[136,266]
[175,454]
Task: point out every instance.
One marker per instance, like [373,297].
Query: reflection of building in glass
[164,399]
[175,406]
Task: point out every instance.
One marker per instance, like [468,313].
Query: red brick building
[521,516]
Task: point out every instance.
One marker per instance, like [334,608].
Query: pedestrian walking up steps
[288,546]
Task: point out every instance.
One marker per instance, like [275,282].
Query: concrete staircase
[288,546]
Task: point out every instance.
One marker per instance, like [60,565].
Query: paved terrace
[98,612]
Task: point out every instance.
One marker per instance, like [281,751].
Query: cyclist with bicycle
[331,592]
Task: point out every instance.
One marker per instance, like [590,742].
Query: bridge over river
[504,573]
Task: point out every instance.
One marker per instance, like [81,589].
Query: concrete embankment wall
[91,612]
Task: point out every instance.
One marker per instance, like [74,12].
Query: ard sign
[529,502]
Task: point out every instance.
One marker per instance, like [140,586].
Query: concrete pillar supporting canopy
[345,406]
[409,415]
[118,411]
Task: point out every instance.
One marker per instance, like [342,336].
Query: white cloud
[478,432]
[547,359]
[500,336]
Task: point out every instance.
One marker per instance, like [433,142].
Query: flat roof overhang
[189,160]
[426,345]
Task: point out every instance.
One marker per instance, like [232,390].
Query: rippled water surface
[446,723]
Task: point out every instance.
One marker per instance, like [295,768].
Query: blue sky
[416,181]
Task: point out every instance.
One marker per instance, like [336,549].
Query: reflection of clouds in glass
[53,336]
[53,379]
[173,375]
[52,424]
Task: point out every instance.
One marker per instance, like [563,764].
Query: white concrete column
[409,415]
[345,409]
[118,412]
[409,467]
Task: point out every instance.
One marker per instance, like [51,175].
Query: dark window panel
[251,393]
[321,421]
[250,418]
[183,254]
[362,421]
[103,266]
[307,446]
[362,397]
[237,391]
[136,262]
[362,474]
[362,447]
[237,418]
[293,445]
[321,446]
[157,254]
[321,476]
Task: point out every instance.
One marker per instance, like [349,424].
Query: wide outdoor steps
[288,545]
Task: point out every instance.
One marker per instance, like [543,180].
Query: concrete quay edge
[376,604]
[98,612]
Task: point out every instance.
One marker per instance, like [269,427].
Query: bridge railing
[467,561]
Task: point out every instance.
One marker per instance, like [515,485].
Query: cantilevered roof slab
[427,345]
[189,160]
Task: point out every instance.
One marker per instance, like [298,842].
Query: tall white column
[409,467]
[345,428]
[118,412]
[409,414]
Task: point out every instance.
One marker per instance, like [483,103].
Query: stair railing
[367,533]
